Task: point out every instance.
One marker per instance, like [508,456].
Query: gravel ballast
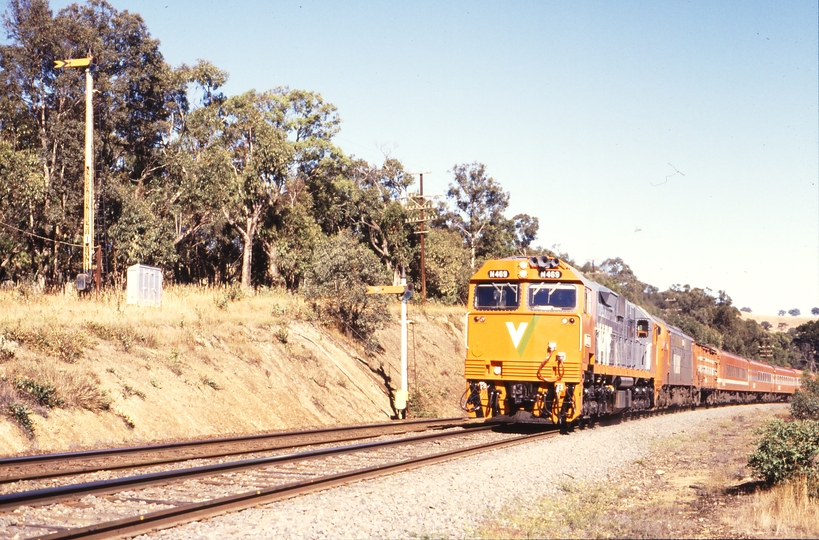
[446,499]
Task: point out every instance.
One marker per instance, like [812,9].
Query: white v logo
[516,333]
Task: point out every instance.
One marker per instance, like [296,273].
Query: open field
[781,323]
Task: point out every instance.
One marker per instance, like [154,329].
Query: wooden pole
[423,233]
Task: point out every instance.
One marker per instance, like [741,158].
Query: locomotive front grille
[524,370]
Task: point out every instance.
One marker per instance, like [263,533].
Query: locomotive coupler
[473,402]
[568,404]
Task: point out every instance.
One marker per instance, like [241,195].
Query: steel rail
[43,496]
[44,460]
[204,442]
[195,511]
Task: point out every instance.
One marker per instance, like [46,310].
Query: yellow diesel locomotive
[544,344]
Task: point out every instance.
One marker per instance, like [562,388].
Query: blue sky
[681,136]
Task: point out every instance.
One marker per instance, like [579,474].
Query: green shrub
[231,294]
[337,284]
[805,401]
[45,394]
[22,415]
[787,450]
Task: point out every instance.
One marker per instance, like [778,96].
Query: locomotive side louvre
[622,375]
[680,370]
[623,333]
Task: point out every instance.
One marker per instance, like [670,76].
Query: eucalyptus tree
[196,165]
[21,192]
[317,182]
[478,203]
[526,229]
[259,161]
[277,142]
[42,109]
[38,113]
[378,215]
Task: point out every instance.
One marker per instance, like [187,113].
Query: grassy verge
[783,511]
[692,485]
[51,345]
[207,361]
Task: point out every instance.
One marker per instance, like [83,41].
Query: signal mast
[88,176]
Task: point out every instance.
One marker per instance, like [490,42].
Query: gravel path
[444,500]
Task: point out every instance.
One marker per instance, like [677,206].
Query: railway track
[129,505]
[16,469]
[138,503]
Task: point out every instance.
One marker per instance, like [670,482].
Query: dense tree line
[212,188]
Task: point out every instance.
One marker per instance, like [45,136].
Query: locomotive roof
[597,287]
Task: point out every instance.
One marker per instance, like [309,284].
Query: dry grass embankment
[693,485]
[208,362]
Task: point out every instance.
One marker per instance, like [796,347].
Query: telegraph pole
[422,231]
[417,203]
[88,207]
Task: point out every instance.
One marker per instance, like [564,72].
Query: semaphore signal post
[402,395]
[88,208]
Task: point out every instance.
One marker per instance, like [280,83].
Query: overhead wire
[39,236]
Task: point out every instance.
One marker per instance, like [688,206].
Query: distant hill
[776,320]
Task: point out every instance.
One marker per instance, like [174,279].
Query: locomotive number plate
[551,274]
[499,274]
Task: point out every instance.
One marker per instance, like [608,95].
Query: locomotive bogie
[549,403]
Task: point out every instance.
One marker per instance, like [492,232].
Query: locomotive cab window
[497,296]
[642,328]
[546,297]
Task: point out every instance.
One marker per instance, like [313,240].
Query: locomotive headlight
[565,320]
[522,274]
[497,370]
[522,265]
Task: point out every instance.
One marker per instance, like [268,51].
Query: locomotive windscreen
[552,297]
[497,296]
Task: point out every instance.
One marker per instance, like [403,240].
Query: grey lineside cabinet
[143,285]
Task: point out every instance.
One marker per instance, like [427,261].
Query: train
[545,344]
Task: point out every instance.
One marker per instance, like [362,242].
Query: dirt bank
[95,372]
